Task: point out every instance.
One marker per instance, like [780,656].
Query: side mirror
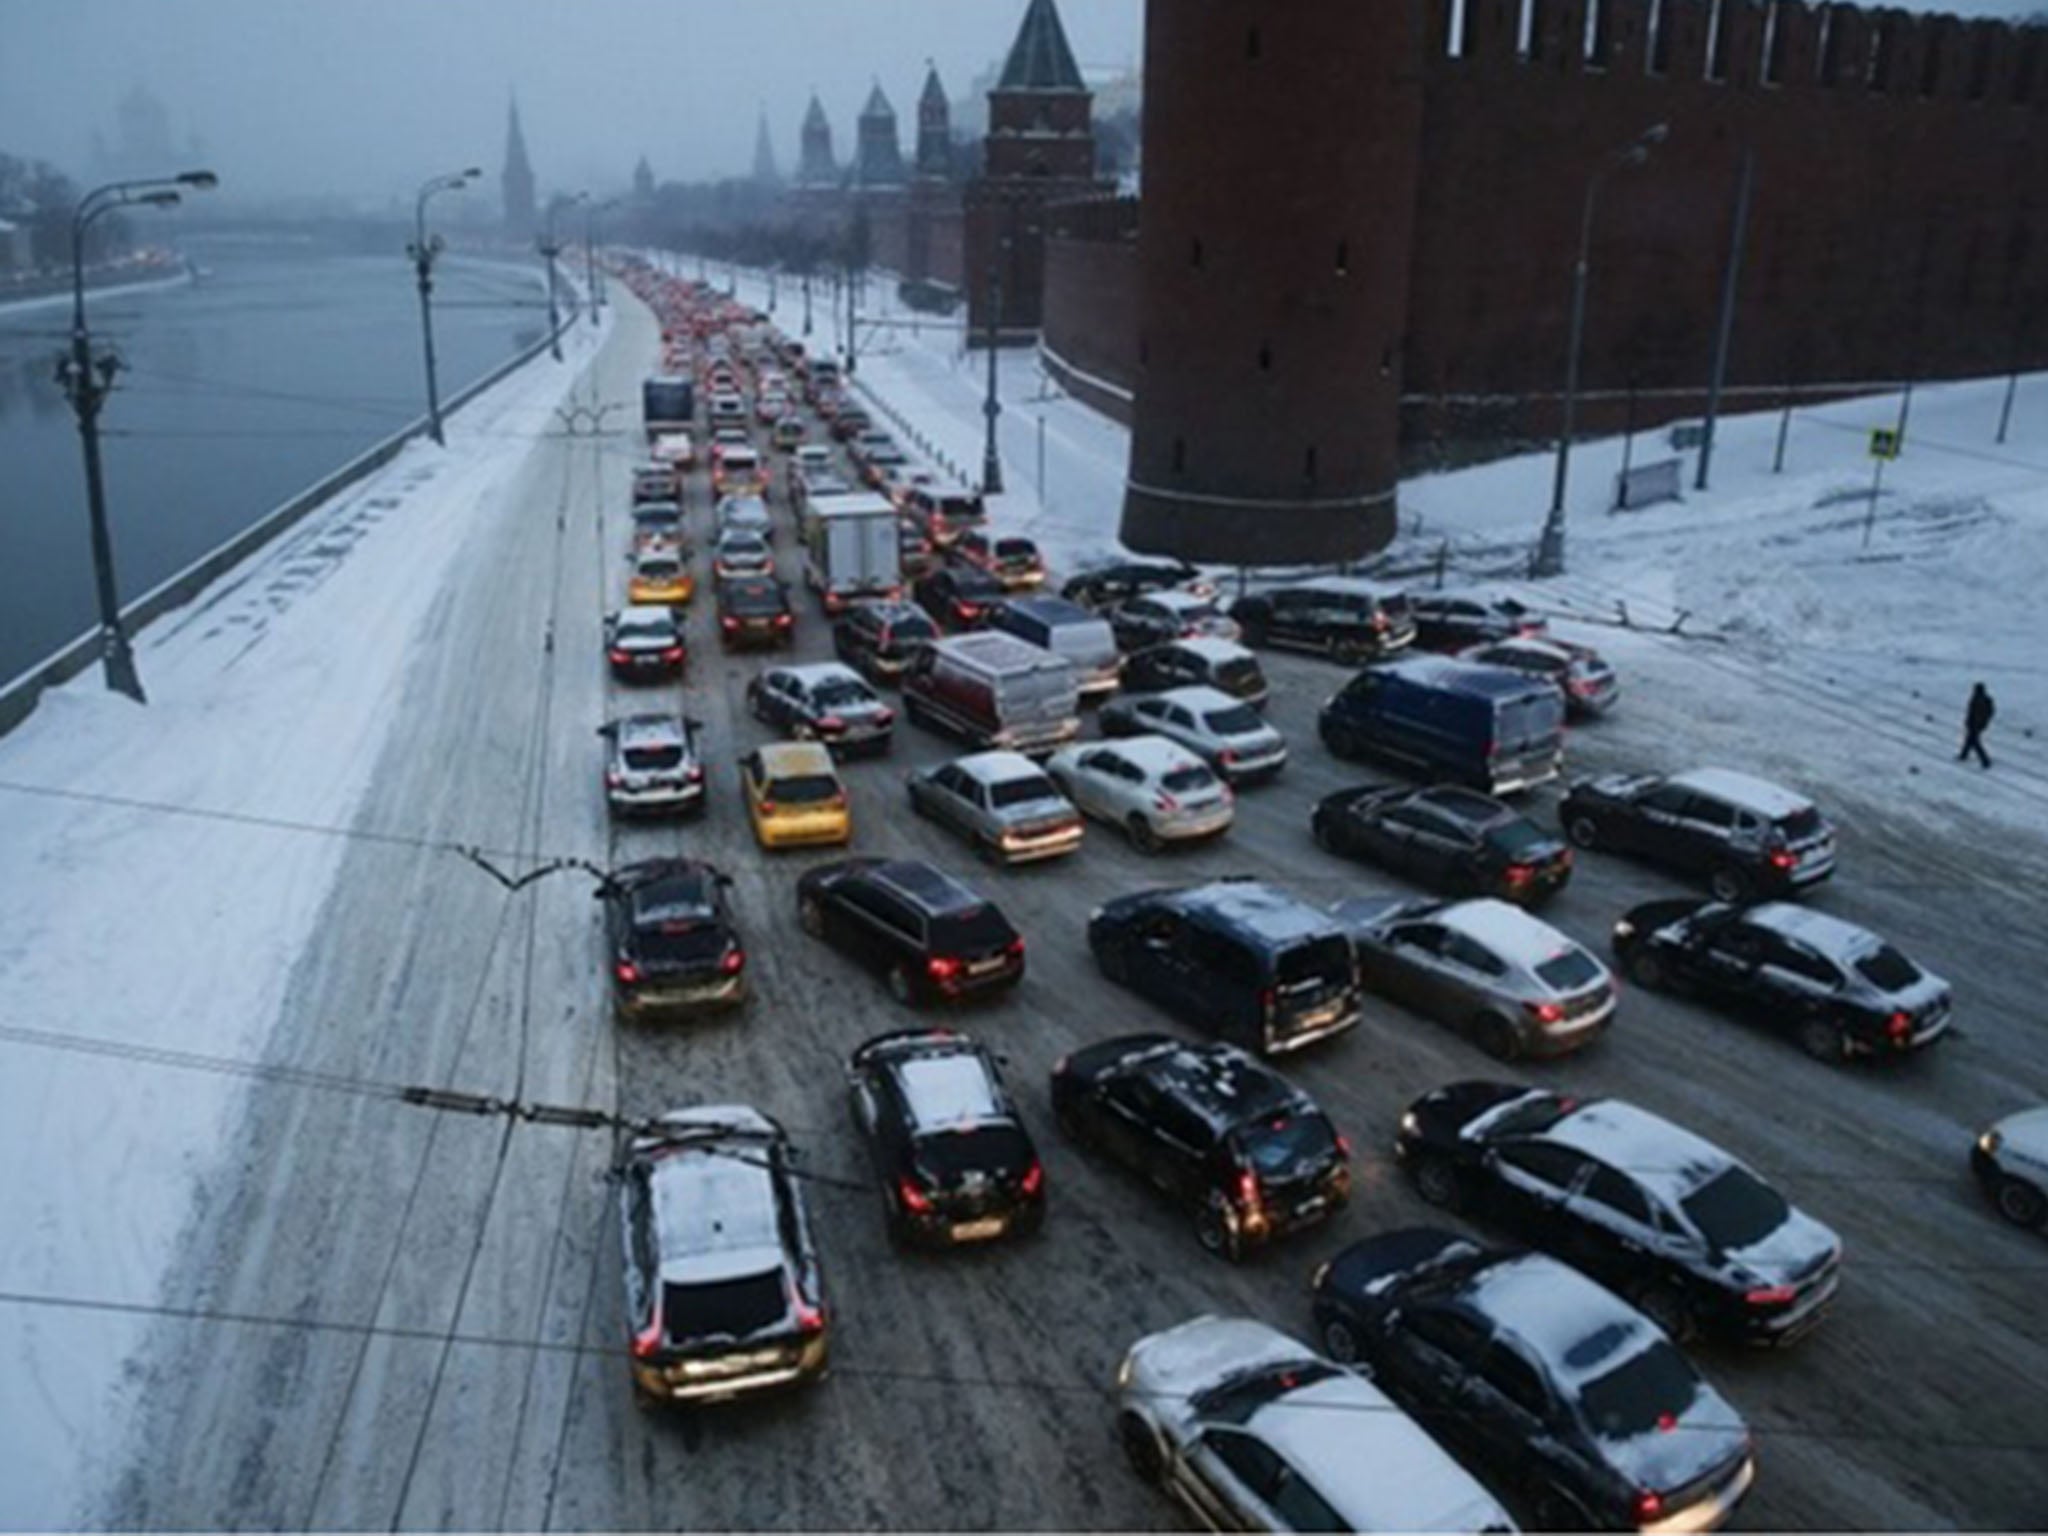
[724,881]
[693,723]
[609,728]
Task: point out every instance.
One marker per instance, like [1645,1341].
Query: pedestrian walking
[1976,721]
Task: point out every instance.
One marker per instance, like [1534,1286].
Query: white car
[2011,1162]
[1253,1431]
[1155,790]
[1230,735]
[674,448]
[742,552]
[745,514]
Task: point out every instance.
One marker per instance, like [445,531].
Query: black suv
[879,638]
[1836,989]
[959,597]
[933,938]
[1222,664]
[1748,837]
[754,610]
[1338,616]
[1448,838]
[1648,1209]
[1548,1387]
[955,1162]
[1237,957]
[724,1295]
[1244,1151]
[1108,584]
[1447,623]
[674,948]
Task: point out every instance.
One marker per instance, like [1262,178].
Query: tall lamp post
[591,212]
[807,298]
[1550,548]
[551,247]
[991,407]
[423,251]
[87,380]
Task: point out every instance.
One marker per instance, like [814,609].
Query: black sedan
[1450,622]
[932,937]
[1548,1387]
[1244,1152]
[1660,1215]
[754,610]
[1108,584]
[954,1160]
[1836,989]
[1446,838]
[674,948]
[958,597]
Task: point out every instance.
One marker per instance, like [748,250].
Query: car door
[1726,964]
[786,700]
[752,777]
[1091,781]
[1793,981]
[1150,958]
[636,1230]
[1706,826]
[1435,1366]
[1178,721]
[869,933]
[1530,1183]
[1608,1231]
[1289,615]
[1407,965]
[1233,1475]
[1658,827]
[950,800]
[1472,976]
[1179,1153]
[1128,1103]
[1437,848]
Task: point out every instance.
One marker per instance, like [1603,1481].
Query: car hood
[1788,1254]
[1166,1369]
[2025,1132]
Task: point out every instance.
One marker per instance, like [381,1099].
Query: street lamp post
[591,211]
[807,300]
[991,407]
[852,320]
[87,381]
[774,267]
[423,251]
[551,247]
[1550,548]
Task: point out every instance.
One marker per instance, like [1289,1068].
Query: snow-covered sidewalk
[129,930]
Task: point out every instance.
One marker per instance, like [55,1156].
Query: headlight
[1624,929]
[1410,1126]
[1095,916]
[1989,1143]
[1123,1375]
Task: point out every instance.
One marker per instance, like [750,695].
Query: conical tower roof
[878,104]
[933,94]
[814,116]
[1040,59]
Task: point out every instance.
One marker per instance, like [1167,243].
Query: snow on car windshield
[730,1309]
[642,759]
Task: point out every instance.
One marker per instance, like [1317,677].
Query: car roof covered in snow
[1156,755]
[647,616]
[1577,1327]
[998,767]
[948,1090]
[651,731]
[715,1216]
[1666,1159]
[1832,936]
[1225,1086]
[1745,790]
[1212,650]
[1201,698]
[1466,676]
[795,759]
[928,886]
[1257,910]
[812,673]
[1507,930]
[1178,600]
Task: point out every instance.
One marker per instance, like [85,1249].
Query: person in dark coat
[1976,721]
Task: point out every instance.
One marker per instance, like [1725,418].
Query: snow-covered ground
[125,930]
[1827,647]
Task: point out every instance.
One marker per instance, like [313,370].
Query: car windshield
[723,1309]
[1326,960]
[1569,971]
[1735,1210]
[970,932]
[1183,781]
[660,570]
[1281,1146]
[1888,970]
[754,599]
[1022,791]
[1238,674]
[1237,1398]
[641,759]
[1517,839]
[804,789]
[1651,1387]
[946,1156]
[1239,720]
[841,692]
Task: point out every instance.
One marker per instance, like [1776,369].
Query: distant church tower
[516,182]
[816,167]
[765,172]
[934,129]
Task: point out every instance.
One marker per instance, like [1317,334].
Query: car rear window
[1279,1146]
[970,932]
[1886,968]
[840,692]
[804,789]
[998,1149]
[1516,839]
[1239,674]
[1182,781]
[1649,1387]
[911,627]
[682,942]
[1021,791]
[754,600]
[659,570]
[723,1309]
[1238,720]
[1800,825]
[657,517]
[1735,1209]
[646,629]
[642,759]
[1529,722]
[1327,960]
[1569,971]
[1015,549]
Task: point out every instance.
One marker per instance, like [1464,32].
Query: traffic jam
[1535,1349]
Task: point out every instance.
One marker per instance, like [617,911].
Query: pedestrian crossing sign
[1884,443]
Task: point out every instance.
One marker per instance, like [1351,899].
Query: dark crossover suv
[1237,957]
[878,638]
[724,1295]
[1836,989]
[1650,1210]
[1446,837]
[754,610]
[1338,616]
[674,948]
[959,597]
[955,1162]
[1108,584]
[1550,1388]
[1748,837]
[1447,622]
[933,938]
[644,642]
[1221,664]
[1244,1151]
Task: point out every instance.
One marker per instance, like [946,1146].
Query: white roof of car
[1558,1312]
[1212,650]
[1177,599]
[1752,794]
[811,674]
[1528,645]
[715,1217]
[1507,930]
[645,615]
[1666,1159]
[1830,935]
[1156,755]
[947,1090]
[1201,698]
[997,767]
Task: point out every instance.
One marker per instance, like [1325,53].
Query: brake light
[1517,873]
[767,807]
[728,622]
[1248,1190]
[627,972]
[1343,1145]
[696,775]
[831,723]
[886,717]
[1267,999]
[733,961]
[913,1198]
[967,610]
[1544,1013]
[1899,1025]
[1034,1179]
[1783,858]
[647,1341]
[1769,1295]
[1648,1507]
[614,780]
[1015,948]
[784,620]
[1165,802]
[1227,756]
[672,653]
[809,1319]
[1379,621]
[621,657]
[942,967]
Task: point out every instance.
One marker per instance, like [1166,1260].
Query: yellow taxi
[794,796]
[661,578]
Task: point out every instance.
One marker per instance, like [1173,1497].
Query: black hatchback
[879,638]
[1654,1212]
[934,939]
[674,949]
[1247,1154]
[1445,837]
[955,1163]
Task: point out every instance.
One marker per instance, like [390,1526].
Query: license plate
[984,967]
[1313,1206]
[977,1231]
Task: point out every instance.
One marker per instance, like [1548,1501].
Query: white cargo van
[851,549]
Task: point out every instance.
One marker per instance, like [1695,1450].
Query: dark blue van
[1493,728]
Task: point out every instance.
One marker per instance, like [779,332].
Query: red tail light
[1343,1146]
[672,653]
[627,972]
[1267,1000]
[1648,1507]
[1544,1013]
[1783,858]
[614,780]
[1015,948]
[733,961]
[1769,1295]
[831,723]
[767,807]
[886,717]
[784,620]
[620,657]
[1227,756]
[913,1198]
[1248,1190]
[728,622]
[1165,802]
[809,1319]
[1034,1180]
[967,610]
[1899,1025]
[942,967]
[696,775]
[647,1341]
[1517,873]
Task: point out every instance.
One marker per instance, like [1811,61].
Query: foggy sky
[364,99]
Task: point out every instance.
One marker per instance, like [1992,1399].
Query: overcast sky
[366,98]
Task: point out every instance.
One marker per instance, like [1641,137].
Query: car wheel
[1339,1342]
[2020,1202]
[1822,1039]
[917,806]
[1728,884]
[812,916]
[1212,1230]
[1647,971]
[1437,1181]
[1552,1509]
[1348,650]
[1497,1037]
[1584,832]
[900,988]
[1141,1447]
[1319,829]
[1667,1309]
[1143,838]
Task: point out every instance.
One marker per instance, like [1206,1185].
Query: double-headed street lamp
[550,247]
[991,407]
[87,380]
[423,251]
[1550,548]
[590,216]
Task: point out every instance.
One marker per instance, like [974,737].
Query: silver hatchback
[651,765]
[1002,803]
[1511,981]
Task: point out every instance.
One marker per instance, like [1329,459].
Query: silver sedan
[1002,803]
[1228,734]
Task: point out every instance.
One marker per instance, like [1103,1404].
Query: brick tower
[1273,277]
[815,165]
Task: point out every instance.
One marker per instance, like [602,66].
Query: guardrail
[18,698]
[907,428]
